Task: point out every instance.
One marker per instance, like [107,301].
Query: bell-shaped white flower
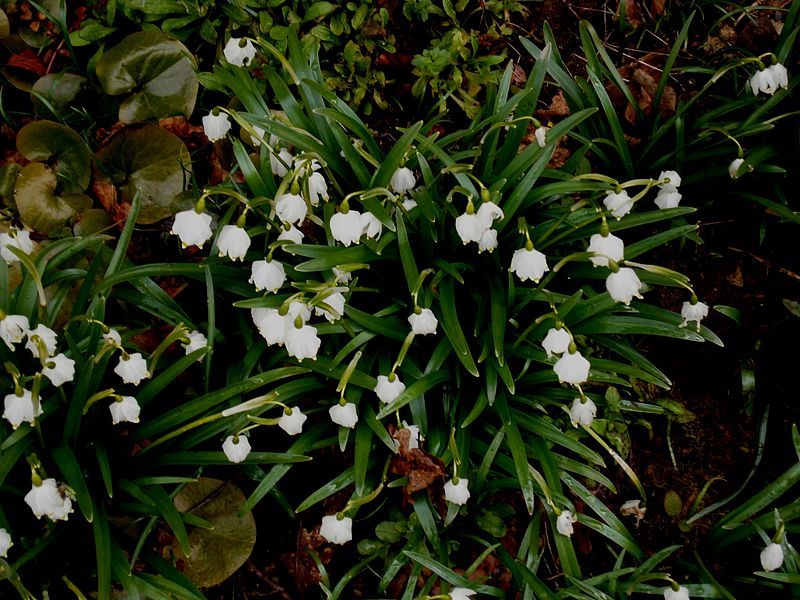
[302,342]
[336,530]
[619,204]
[529,263]
[345,415]
[681,593]
[733,168]
[291,208]
[414,436]
[461,593]
[779,74]
[540,133]
[371,225]
[196,341]
[20,409]
[388,389]
[124,409]
[132,368]
[112,337]
[556,341]
[668,199]
[488,213]
[605,247]
[693,312]
[624,285]
[5,543]
[233,242]
[488,241]
[47,500]
[292,422]
[772,557]
[192,227]
[216,126]
[267,275]
[457,491]
[582,412]
[670,180]
[470,227]
[423,322]
[59,369]
[293,234]
[271,325]
[46,336]
[239,51]
[402,181]
[341,276]
[317,188]
[280,163]
[764,81]
[236,448]
[15,238]
[564,522]
[13,328]
[572,368]
[346,227]
[336,301]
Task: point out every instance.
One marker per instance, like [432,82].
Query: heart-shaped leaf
[151,160]
[38,205]
[63,149]
[56,91]
[157,71]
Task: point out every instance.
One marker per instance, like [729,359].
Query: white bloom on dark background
[280,163]
[606,248]
[458,492]
[618,203]
[216,126]
[696,312]
[779,74]
[423,322]
[59,369]
[239,51]
[668,199]
[291,208]
[233,242]
[733,168]
[344,415]
[47,500]
[769,80]
[564,522]
[388,390]
[302,342]
[293,234]
[624,285]
[13,328]
[112,337]
[124,409]
[19,409]
[346,227]
[572,368]
[541,136]
[371,225]
[132,368]
[196,341]
[674,180]
[556,341]
[470,227]
[292,423]
[236,448]
[582,412]
[336,530]
[192,227]
[488,241]
[317,188]
[336,301]
[772,557]
[5,543]
[529,264]
[15,238]
[46,336]
[267,275]
[681,593]
[402,181]
[414,436]
[461,593]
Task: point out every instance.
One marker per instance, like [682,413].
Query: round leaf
[215,554]
[157,70]
[151,160]
[39,206]
[58,90]
[62,148]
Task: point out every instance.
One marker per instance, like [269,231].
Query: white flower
[196,341]
[346,416]
[13,328]
[193,228]
[5,543]
[124,409]
[15,238]
[668,199]
[488,212]
[681,593]
[624,285]
[388,390]
[780,75]
[608,247]
[572,368]
[413,435]
[233,242]
[764,81]
[620,204]
[488,241]
[346,227]
[20,409]
[61,371]
[582,413]
[772,557]
[564,522]
[336,530]
[271,324]
[317,188]
[457,493]
[674,180]
[293,234]
[693,312]
[529,264]
[216,126]
[302,342]
[47,500]
[132,369]
[112,337]
[409,203]
[733,168]
[402,181]
[461,593]
[239,52]
[46,335]
[336,302]
[279,164]
[267,275]
[424,322]
[291,208]
[292,423]
[341,276]
[470,228]
[556,341]
[371,225]
[236,448]
[541,136]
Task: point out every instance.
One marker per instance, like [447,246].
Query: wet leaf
[8,181]
[91,221]
[61,148]
[39,206]
[157,71]
[215,554]
[148,159]
[59,90]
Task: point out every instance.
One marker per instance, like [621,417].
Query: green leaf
[452,325]
[39,206]
[156,71]
[73,475]
[56,92]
